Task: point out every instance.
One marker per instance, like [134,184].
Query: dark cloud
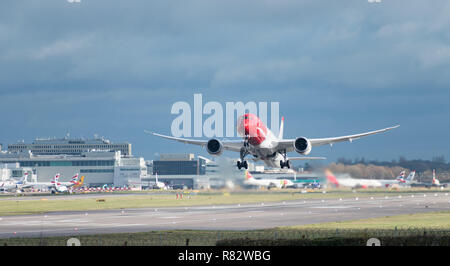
[116,67]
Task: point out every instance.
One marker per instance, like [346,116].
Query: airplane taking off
[260,142]
[279,183]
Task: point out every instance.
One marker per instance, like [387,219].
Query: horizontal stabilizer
[306,158]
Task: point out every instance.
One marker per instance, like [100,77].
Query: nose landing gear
[242,164]
[244,151]
[285,162]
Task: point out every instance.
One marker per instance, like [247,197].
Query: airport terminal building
[101,162]
[179,171]
[54,146]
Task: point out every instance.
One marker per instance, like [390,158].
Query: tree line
[437,162]
[361,168]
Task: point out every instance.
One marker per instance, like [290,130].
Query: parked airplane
[401,179]
[79,183]
[309,183]
[362,183]
[55,181]
[159,185]
[269,183]
[71,183]
[14,185]
[434,183]
[57,187]
[260,142]
[44,184]
[9,186]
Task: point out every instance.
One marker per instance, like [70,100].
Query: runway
[221,217]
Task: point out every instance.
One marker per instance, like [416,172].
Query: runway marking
[332,207]
[65,229]
[73,221]
[62,222]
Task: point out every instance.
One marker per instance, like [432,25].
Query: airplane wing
[230,145]
[26,185]
[288,144]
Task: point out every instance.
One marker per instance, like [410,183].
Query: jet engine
[214,147]
[302,145]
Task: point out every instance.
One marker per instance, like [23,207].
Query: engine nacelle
[214,147]
[302,145]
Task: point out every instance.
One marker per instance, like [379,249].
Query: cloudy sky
[115,68]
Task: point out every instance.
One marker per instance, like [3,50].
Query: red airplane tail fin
[331,178]
[248,175]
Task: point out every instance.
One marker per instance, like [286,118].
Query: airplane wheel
[281,164]
[239,165]
[245,165]
[288,164]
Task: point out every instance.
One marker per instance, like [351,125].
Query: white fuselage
[279,183]
[262,143]
[160,185]
[7,185]
[61,188]
[267,150]
[351,182]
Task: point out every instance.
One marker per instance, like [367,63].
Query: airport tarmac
[220,217]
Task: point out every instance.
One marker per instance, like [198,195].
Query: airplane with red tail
[260,142]
[366,183]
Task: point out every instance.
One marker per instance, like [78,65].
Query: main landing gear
[285,162]
[242,164]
